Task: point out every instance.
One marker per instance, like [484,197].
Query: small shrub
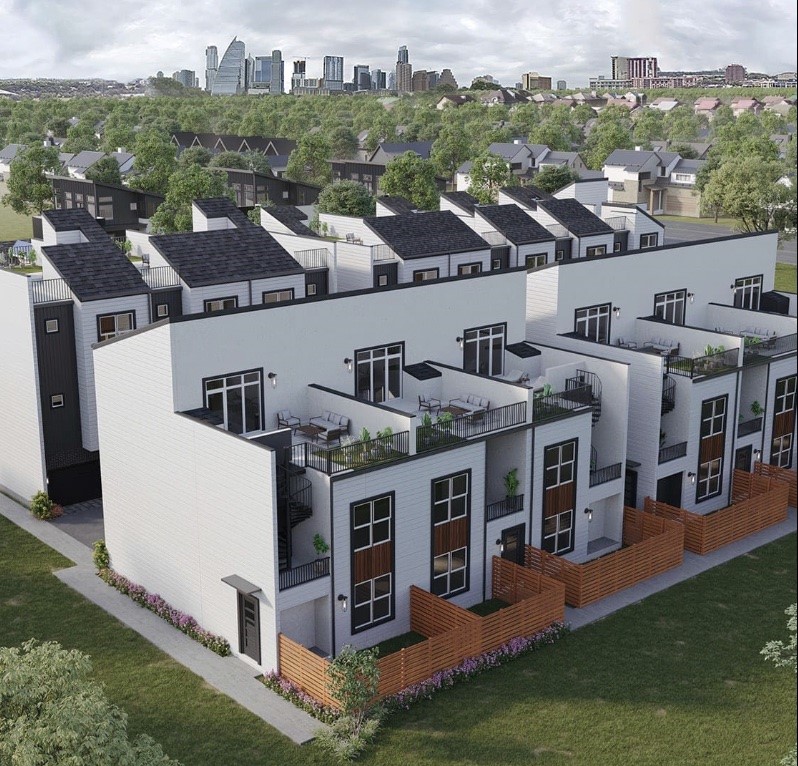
[340,741]
[41,506]
[57,511]
[100,555]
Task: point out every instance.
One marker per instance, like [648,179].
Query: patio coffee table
[311,431]
[454,411]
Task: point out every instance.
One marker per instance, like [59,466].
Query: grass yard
[728,223]
[785,277]
[12,225]
[677,679]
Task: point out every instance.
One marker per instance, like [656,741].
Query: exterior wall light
[501,546]
[589,512]
[272,376]
[617,310]
[757,455]
[691,296]
[459,339]
[342,600]
[691,476]
[348,363]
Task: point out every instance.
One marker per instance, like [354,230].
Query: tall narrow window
[111,325]
[593,322]
[379,373]
[747,291]
[237,400]
[483,350]
[783,422]
[670,306]
[711,448]
[559,497]
[451,505]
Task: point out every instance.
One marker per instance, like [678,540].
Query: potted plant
[511,483]
[320,545]
[757,409]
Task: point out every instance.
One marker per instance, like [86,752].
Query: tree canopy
[29,189]
[488,174]
[310,161]
[411,177]
[185,185]
[552,178]
[346,198]
[105,171]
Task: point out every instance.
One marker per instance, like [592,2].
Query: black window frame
[259,371]
[574,466]
[475,265]
[47,323]
[158,307]
[466,349]
[115,315]
[277,292]
[709,480]
[645,237]
[207,302]
[716,420]
[778,451]
[386,346]
[536,256]
[608,307]
[680,294]
[53,404]
[746,299]
[588,248]
[420,272]
[311,289]
[788,396]
[450,479]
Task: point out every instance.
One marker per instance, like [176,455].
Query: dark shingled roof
[225,255]
[515,224]
[96,270]
[76,219]
[463,200]
[418,235]
[575,217]
[422,371]
[526,195]
[397,204]
[291,217]
[222,207]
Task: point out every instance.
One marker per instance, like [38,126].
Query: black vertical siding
[623,238]
[173,298]
[389,269]
[318,277]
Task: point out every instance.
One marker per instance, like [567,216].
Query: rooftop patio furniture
[331,421]
[470,403]
[514,376]
[286,420]
[428,403]
[623,343]
[664,345]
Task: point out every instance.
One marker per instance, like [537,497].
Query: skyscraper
[231,77]
[361,77]
[186,77]
[447,78]
[211,66]
[377,79]
[267,74]
[333,72]
[403,57]
[404,71]
[625,68]
[298,75]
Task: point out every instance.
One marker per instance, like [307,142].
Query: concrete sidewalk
[229,675]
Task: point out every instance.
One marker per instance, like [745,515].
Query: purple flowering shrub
[152,601]
[301,699]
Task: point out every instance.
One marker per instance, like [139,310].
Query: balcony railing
[50,290]
[462,427]
[756,351]
[559,404]
[353,456]
[749,427]
[668,396]
[504,507]
[608,473]
[672,452]
[382,253]
[313,570]
[617,223]
[493,237]
[313,259]
[160,276]
[711,364]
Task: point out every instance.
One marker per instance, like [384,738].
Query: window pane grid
[372,523]
[593,322]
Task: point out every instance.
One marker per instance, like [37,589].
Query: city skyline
[82,41]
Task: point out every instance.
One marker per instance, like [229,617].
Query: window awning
[241,585]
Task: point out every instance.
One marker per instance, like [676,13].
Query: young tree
[346,198]
[413,178]
[105,171]
[488,174]
[310,161]
[552,178]
[52,713]
[195,155]
[155,161]
[343,142]
[783,655]
[450,150]
[28,187]
[185,185]
[229,160]
[603,140]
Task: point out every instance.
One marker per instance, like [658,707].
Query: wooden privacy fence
[757,502]
[453,633]
[779,474]
[654,546]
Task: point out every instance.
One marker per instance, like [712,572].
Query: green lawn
[12,225]
[728,223]
[675,680]
[785,277]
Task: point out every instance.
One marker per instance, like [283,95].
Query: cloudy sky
[565,39]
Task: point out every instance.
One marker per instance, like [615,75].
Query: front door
[669,490]
[742,458]
[249,626]
[513,544]
[630,489]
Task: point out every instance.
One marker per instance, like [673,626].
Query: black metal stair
[295,505]
[588,385]
[668,394]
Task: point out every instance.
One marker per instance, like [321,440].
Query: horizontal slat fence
[757,502]
[453,633]
[654,546]
[780,474]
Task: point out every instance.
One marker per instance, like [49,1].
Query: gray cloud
[566,39]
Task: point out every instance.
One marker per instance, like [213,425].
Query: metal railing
[382,253]
[558,230]
[461,427]
[749,427]
[617,223]
[353,456]
[672,452]
[504,507]
[160,276]
[317,258]
[668,395]
[493,238]
[711,364]
[313,570]
[756,351]
[562,403]
[603,475]
[50,290]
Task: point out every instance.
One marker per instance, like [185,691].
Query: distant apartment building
[361,77]
[211,66]
[561,85]
[404,77]
[378,81]
[626,68]
[419,82]
[333,72]
[534,81]
[186,77]
[298,75]
[735,74]
[447,78]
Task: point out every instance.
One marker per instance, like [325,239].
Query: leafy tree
[105,171]
[552,178]
[450,150]
[648,126]
[310,161]
[185,185]
[51,712]
[28,188]
[346,198]
[682,124]
[783,655]
[488,174]
[343,142]
[58,126]
[413,178]
[550,134]
[258,162]
[603,140]
[229,160]
[748,189]
[195,155]
[684,151]
[80,138]
[155,161]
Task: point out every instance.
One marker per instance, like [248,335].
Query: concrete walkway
[236,679]
[229,675]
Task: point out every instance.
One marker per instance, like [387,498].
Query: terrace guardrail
[748,427]
[758,350]
[313,570]
[504,507]
[382,253]
[317,258]
[603,475]
[352,456]
[562,403]
[672,452]
[668,396]
[493,238]
[50,290]
[710,364]
[160,276]
[617,223]
[448,431]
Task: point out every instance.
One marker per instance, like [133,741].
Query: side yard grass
[786,277]
[12,225]
[675,679]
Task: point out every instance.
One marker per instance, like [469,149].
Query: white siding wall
[141,245]
[353,266]
[590,193]
[440,262]
[295,282]
[636,222]
[592,241]
[341,225]
[194,298]
[22,455]
[541,303]
[445,204]
[412,545]
[85,335]
[271,224]
[206,509]
[778,369]
[522,251]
